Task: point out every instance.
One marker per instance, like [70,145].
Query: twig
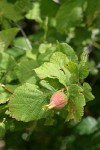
[96,45]
[3,86]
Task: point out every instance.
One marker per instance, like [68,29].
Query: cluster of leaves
[33,67]
[35,85]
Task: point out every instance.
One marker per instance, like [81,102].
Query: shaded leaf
[23,6]
[47,85]
[93,8]
[9,11]
[69,14]
[48,8]
[24,70]
[2,129]
[87,92]
[6,37]
[6,62]
[87,126]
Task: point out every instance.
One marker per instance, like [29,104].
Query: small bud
[58,100]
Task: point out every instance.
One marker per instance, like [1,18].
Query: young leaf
[66,18]
[73,68]
[83,67]
[87,92]
[68,50]
[76,102]
[83,71]
[84,58]
[51,70]
[57,68]
[60,59]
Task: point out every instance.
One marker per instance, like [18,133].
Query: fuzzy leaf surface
[87,92]
[76,102]
[26,103]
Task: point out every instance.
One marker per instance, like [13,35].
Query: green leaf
[47,85]
[60,59]
[23,6]
[83,71]
[15,52]
[26,103]
[6,62]
[83,66]
[9,11]
[3,96]
[24,70]
[87,92]
[51,70]
[87,126]
[93,8]
[46,51]
[84,58]
[76,102]
[55,69]
[44,47]
[68,50]
[58,66]
[79,102]
[69,15]
[73,68]
[20,42]
[74,89]
[34,13]
[6,37]
[48,8]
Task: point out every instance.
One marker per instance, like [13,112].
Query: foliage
[46,46]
